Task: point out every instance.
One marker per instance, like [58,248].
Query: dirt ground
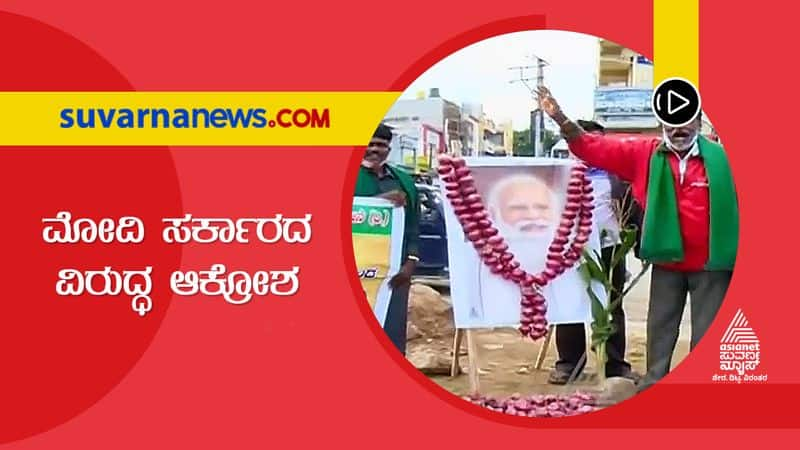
[507,361]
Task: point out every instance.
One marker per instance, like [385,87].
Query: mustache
[682,134]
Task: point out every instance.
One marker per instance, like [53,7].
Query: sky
[480,74]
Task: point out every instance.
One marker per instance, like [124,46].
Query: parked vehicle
[433,261]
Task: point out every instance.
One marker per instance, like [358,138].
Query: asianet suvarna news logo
[154,118]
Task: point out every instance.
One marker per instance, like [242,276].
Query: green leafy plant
[594,268]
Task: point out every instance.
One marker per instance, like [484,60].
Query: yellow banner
[676,40]
[191,118]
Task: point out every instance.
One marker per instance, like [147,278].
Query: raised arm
[610,154]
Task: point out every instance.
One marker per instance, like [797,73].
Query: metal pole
[538,150]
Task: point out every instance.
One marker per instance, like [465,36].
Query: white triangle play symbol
[684,104]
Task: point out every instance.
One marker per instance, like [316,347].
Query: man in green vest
[377,178]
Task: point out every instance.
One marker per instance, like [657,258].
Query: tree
[524,147]
[522,143]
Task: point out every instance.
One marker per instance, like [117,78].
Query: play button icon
[676,102]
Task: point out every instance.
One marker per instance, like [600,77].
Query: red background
[308,370]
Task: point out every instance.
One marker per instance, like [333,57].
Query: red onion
[484,223]
[569,223]
[517,274]
[473,198]
[548,274]
[474,235]
[486,251]
[571,206]
[444,170]
[528,291]
[569,214]
[588,189]
[513,265]
[494,239]
[588,199]
[478,216]
[450,178]
[553,265]
[461,172]
[563,231]
[451,186]
[585,223]
[458,162]
[489,232]
[490,260]
[586,214]
[560,240]
[466,180]
[538,280]
[452,194]
[497,268]
[528,280]
[476,207]
[585,230]
[527,302]
[468,190]
[445,160]
[456,201]
[577,190]
[574,198]
[556,248]
[464,217]
[540,309]
[479,244]
[525,329]
[581,239]
[470,226]
[505,257]
[500,248]
[461,209]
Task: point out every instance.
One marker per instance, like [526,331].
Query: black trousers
[396,321]
[668,291]
[571,338]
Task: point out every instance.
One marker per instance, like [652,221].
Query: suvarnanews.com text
[194,118]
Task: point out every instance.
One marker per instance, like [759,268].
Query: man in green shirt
[377,178]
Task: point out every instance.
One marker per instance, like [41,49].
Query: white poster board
[378,229]
[524,198]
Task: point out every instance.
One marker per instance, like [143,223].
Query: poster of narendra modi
[524,198]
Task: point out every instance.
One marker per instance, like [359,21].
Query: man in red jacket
[691,222]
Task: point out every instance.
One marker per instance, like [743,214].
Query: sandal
[558,377]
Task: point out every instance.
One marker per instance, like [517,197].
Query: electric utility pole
[537,117]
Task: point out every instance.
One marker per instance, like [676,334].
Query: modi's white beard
[530,251]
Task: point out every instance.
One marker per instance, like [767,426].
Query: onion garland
[563,253]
